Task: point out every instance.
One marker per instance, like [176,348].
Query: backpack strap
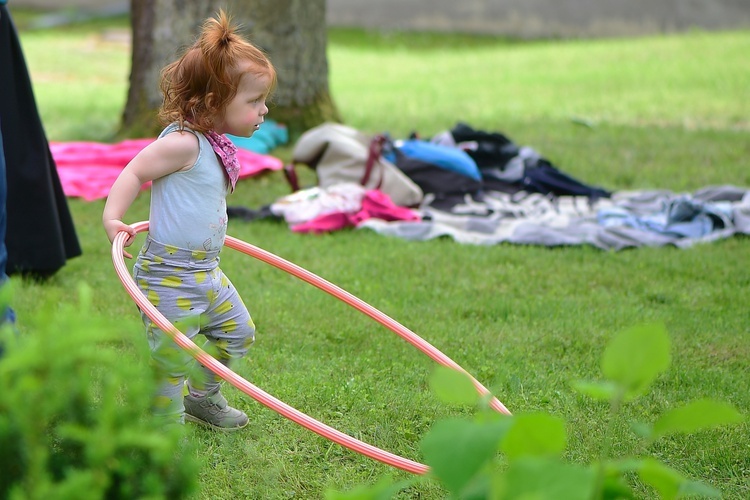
[374,152]
[376,149]
[291,176]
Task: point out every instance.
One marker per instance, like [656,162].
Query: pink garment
[227,153]
[375,204]
[308,204]
[88,169]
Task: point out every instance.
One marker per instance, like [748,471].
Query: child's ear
[211,101]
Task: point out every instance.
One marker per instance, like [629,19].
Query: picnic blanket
[88,169]
[627,219]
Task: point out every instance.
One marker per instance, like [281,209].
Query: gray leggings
[191,291]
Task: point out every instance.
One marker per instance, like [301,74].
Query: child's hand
[114,226]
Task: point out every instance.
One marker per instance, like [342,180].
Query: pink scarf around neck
[227,153]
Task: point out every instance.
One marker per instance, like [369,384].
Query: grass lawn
[669,112]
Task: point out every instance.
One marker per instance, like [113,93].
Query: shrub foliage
[74,413]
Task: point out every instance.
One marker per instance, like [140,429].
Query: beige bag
[339,153]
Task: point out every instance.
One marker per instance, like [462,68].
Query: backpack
[339,153]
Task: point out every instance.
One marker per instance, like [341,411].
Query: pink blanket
[88,169]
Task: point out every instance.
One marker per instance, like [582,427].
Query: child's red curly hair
[198,86]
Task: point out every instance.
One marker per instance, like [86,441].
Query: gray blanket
[628,219]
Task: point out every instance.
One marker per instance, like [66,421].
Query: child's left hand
[114,226]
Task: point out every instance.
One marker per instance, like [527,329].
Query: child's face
[246,110]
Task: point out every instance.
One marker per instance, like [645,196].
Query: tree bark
[160,28]
[292,32]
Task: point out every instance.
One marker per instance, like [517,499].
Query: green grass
[665,112]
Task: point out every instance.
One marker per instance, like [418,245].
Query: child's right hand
[114,226]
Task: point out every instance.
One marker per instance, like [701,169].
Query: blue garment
[446,157]
[3,221]
[7,314]
[270,135]
[681,217]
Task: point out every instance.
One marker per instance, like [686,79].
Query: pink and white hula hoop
[259,395]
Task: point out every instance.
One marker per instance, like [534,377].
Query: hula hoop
[258,394]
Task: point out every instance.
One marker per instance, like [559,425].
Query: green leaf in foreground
[695,416]
[635,357]
[545,479]
[452,386]
[457,450]
[670,483]
[642,430]
[602,391]
[536,434]
[384,489]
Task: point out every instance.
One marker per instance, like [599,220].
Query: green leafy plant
[499,457]
[74,413]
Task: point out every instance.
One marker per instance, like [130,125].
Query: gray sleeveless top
[189,208]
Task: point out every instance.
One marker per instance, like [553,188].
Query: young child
[218,86]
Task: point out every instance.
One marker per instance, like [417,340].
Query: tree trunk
[293,34]
[161,28]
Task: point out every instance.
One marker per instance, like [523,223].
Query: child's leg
[229,331]
[187,285]
[174,282]
[172,365]
[228,328]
